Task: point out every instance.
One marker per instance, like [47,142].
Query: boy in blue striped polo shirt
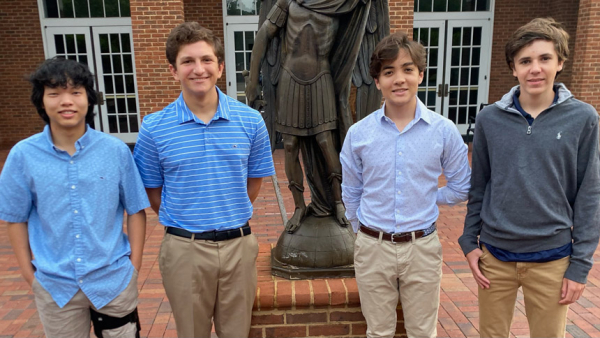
[63,192]
[202,159]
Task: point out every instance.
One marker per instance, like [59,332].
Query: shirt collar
[421,113]
[184,114]
[81,143]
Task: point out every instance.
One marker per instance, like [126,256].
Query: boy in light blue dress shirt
[63,192]
[391,162]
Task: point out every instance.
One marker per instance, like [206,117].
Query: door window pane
[243,7]
[451,5]
[87,8]
[81,9]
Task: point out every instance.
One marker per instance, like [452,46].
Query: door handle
[440,92]
[100,96]
[446,91]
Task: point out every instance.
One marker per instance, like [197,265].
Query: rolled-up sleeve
[352,181]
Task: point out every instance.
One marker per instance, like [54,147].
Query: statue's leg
[334,171]
[293,171]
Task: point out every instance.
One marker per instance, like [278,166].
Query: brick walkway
[458,314]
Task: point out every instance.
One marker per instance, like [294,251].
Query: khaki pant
[411,271]
[205,280]
[541,284]
[73,320]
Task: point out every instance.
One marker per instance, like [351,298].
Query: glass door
[240,40]
[432,35]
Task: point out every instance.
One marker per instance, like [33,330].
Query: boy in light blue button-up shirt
[63,192]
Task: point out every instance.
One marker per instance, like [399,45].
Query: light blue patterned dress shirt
[390,177]
[73,206]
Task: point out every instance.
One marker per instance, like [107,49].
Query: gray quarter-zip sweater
[537,187]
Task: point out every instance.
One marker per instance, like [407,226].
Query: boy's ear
[173,71]
[377,83]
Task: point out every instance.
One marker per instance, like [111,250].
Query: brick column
[402,15]
[21,51]
[585,83]
[151,23]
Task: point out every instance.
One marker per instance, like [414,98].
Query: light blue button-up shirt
[390,177]
[73,206]
[203,168]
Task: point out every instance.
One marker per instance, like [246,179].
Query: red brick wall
[21,50]
[586,61]
[510,15]
[151,23]
[209,13]
[402,15]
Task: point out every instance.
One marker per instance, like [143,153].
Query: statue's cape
[353,15]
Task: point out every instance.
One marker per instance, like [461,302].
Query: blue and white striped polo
[203,168]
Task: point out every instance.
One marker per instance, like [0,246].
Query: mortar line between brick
[275,295]
[346,292]
[328,291]
[293,294]
[312,295]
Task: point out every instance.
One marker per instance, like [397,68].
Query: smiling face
[197,69]
[399,81]
[536,66]
[66,108]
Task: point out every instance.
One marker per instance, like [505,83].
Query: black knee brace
[106,322]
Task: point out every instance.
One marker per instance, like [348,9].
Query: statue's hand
[251,91]
[294,223]
[340,214]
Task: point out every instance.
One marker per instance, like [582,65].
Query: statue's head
[388,50]
[188,33]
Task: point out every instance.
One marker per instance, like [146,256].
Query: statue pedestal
[320,248]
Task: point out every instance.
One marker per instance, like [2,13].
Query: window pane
[104,43]
[131,106]
[472,111]
[116,59]
[473,96]
[96,8]
[474,76]
[123,127]
[462,115]
[422,95]
[111,8]
[81,47]
[415,33]
[466,36]
[455,56]
[81,9]
[241,84]
[83,59]
[431,98]
[454,76]
[108,85]
[129,84]
[433,57]
[425,6]
[435,32]
[119,86]
[125,12]
[432,78]
[106,67]
[66,8]
[476,56]
[466,57]
[249,40]
[114,43]
[133,122]
[127,63]
[464,76]
[452,114]
[121,107]
[454,5]
[110,107]
[232,8]
[238,38]
[453,97]
[483,5]
[70,39]
[477,36]
[424,38]
[112,124]
[59,44]
[456,37]
[239,62]
[51,8]
[468,5]
[416,9]
[125,43]
[463,97]
[439,5]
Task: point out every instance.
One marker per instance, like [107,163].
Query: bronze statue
[312,49]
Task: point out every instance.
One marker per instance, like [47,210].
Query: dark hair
[538,29]
[60,72]
[191,32]
[388,49]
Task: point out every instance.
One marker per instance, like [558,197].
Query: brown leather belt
[400,237]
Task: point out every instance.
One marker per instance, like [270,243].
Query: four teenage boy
[532,217]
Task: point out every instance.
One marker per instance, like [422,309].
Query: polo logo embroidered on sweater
[558,136]
[235,145]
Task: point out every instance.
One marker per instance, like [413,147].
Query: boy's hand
[570,291]
[28,276]
[473,259]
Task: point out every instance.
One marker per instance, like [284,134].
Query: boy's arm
[136,231]
[154,195]
[254,184]
[19,239]
[352,182]
[455,164]
[586,208]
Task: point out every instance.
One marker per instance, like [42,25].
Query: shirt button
[75,212]
[79,259]
[76,236]
[82,147]
[400,153]
[72,187]
[399,192]
[399,173]
[81,281]
[71,162]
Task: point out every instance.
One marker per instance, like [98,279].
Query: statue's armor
[305,92]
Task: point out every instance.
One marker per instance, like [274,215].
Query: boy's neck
[535,104]
[205,106]
[401,115]
[64,139]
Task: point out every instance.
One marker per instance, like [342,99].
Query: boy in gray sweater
[535,191]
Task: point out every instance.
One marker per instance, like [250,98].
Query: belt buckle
[400,235]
